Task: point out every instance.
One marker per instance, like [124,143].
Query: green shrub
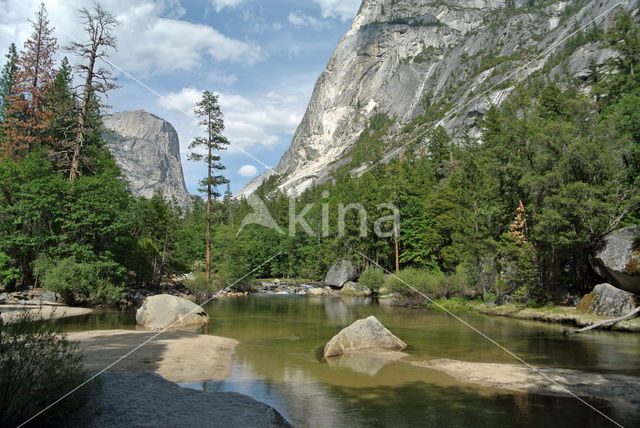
[8,274]
[77,283]
[458,282]
[372,278]
[200,285]
[431,284]
[38,366]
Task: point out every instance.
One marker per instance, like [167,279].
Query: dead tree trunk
[631,314]
[98,24]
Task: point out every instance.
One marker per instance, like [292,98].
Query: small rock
[48,296]
[354,289]
[315,291]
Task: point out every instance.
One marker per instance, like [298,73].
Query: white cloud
[299,19]
[226,79]
[169,45]
[183,101]
[343,9]
[221,4]
[248,171]
[248,122]
[151,37]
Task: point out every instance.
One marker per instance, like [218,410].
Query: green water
[277,362]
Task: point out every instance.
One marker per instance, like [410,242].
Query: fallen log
[631,314]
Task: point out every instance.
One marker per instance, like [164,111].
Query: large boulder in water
[368,333]
[165,310]
[340,273]
[607,300]
[618,260]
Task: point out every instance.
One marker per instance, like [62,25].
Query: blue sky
[261,56]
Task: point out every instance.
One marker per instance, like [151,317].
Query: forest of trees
[68,220]
[518,214]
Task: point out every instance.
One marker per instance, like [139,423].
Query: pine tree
[26,115]
[99,25]
[8,79]
[209,111]
[62,104]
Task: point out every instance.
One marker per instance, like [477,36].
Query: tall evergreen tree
[27,115]
[63,106]
[211,116]
[8,79]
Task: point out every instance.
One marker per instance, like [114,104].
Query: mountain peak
[147,150]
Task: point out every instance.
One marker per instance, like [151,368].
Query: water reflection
[366,362]
[276,362]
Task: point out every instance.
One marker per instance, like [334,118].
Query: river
[277,362]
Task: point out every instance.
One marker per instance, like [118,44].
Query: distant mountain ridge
[147,150]
[456,57]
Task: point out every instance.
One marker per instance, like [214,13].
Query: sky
[262,57]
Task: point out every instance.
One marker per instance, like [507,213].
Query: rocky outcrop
[146,399]
[340,273]
[147,150]
[401,56]
[368,333]
[618,260]
[164,310]
[606,300]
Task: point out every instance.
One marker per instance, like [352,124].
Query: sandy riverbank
[46,312]
[177,356]
[620,390]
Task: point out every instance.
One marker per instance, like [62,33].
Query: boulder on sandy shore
[340,273]
[164,310]
[146,399]
[618,260]
[607,300]
[368,333]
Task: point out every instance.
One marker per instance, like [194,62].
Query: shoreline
[561,315]
[620,390]
[177,356]
[552,314]
[10,312]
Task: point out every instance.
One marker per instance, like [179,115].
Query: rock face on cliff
[147,150]
[402,56]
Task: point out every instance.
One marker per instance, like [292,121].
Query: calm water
[277,362]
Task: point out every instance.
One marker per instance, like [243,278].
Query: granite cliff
[403,57]
[147,150]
